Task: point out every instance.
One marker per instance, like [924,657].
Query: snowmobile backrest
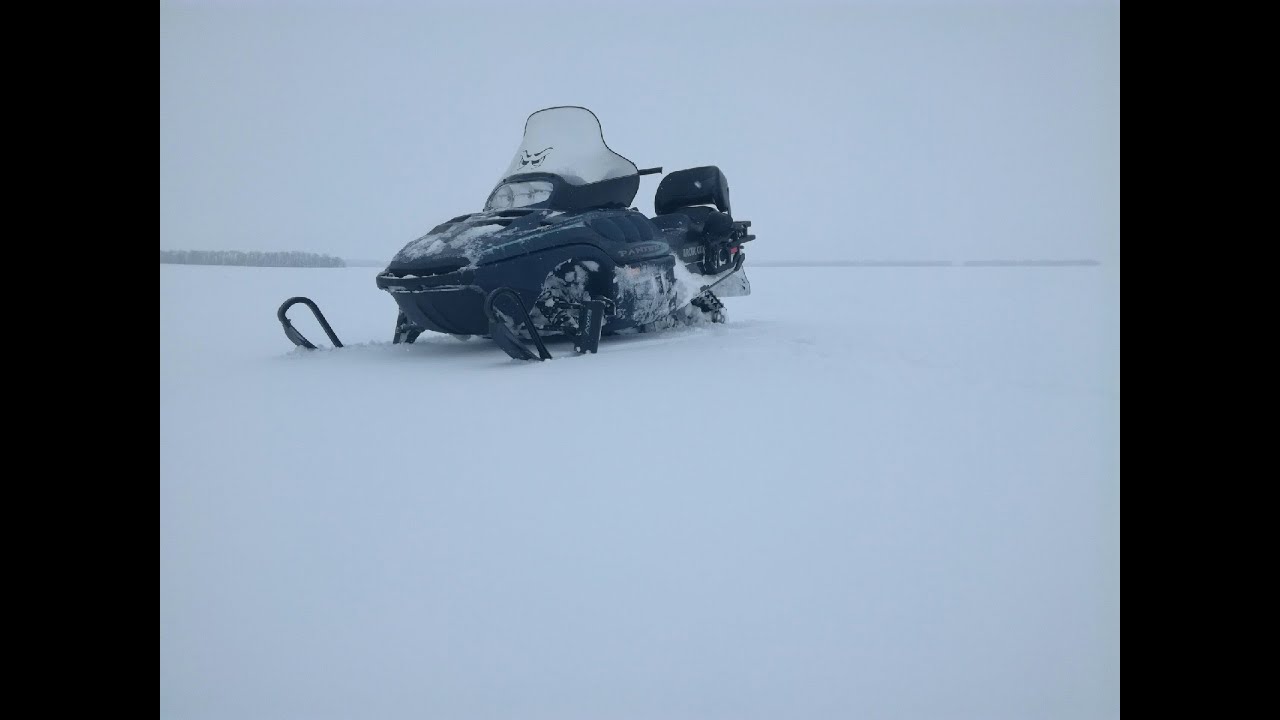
[695,186]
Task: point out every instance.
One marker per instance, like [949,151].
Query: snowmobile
[557,251]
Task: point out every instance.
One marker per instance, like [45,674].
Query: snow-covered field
[874,493]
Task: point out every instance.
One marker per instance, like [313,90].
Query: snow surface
[875,492]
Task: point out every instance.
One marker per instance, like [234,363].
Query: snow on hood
[459,239]
[473,237]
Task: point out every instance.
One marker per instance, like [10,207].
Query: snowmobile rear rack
[292,333]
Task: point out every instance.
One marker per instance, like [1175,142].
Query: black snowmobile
[559,252]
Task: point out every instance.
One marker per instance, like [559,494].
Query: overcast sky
[923,130]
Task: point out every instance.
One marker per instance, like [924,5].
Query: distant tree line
[250,259]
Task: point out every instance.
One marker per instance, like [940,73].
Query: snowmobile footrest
[505,337]
[292,333]
[590,322]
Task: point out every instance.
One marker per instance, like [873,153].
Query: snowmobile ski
[292,333]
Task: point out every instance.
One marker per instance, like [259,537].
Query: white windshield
[567,141]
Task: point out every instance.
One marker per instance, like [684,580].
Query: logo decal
[649,248]
[534,159]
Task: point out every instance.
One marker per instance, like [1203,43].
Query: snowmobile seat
[672,222]
[698,223]
[707,222]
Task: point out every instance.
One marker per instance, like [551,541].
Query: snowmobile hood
[489,237]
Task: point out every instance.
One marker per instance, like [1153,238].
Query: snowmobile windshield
[564,146]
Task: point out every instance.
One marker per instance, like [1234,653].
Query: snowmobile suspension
[707,302]
[591,315]
[292,333]
[503,335]
[738,259]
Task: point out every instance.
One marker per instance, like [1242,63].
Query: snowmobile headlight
[519,194]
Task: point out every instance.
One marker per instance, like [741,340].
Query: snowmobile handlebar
[650,171]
